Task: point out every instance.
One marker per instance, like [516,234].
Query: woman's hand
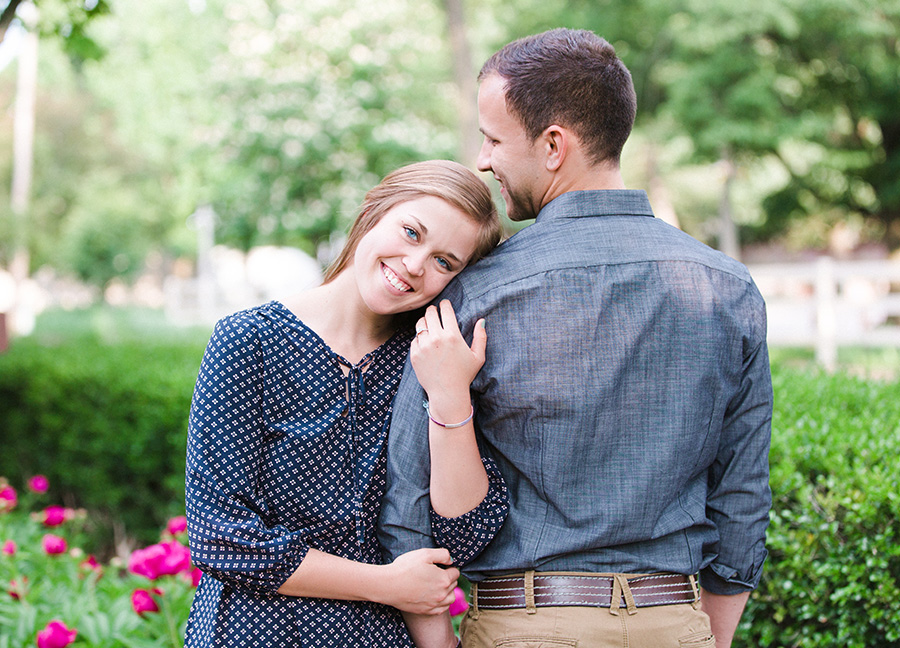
[445,365]
[415,582]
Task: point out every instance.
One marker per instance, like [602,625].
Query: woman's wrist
[449,426]
[378,591]
[450,408]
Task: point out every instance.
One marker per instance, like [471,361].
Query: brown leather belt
[560,590]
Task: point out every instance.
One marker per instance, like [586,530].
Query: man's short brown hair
[571,78]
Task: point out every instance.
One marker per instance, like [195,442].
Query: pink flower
[193,576]
[55,635]
[460,604]
[53,544]
[90,564]
[142,600]
[177,525]
[8,498]
[54,516]
[18,587]
[38,484]
[162,559]
[9,548]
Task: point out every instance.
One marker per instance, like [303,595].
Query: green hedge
[833,574]
[106,423]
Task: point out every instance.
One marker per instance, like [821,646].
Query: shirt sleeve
[407,521]
[230,538]
[739,497]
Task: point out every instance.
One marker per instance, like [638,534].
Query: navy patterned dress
[286,453]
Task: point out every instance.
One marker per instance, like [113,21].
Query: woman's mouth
[395,280]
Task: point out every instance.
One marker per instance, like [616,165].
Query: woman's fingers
[479,341]
[433,320]
[448,317]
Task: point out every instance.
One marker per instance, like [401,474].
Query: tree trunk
[6,17]
[728,232]
[23,162]
[464,77]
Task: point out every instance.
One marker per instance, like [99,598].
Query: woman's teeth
[394,280]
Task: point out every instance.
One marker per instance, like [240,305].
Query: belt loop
[529,592]
[626,592]
[474,612]
[696,602]
[616,597]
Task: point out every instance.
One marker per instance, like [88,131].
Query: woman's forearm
[323,575]
[415,582]
[458,479]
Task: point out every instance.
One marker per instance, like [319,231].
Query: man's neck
[595,178]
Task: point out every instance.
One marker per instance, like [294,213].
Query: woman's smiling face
[412,253]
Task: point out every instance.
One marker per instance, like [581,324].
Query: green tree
[812,85]
[124,138]
[66,20]
[327,97]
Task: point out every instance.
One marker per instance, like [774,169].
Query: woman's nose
[415,263]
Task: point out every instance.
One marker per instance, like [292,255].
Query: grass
[881,364]
[113,325]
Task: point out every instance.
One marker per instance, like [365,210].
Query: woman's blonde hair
[442,179]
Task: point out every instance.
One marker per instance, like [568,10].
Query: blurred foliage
[280,114]
[65,20]
[105,422]
[833,573]
[331,96]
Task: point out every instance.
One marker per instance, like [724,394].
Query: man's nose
[483,162]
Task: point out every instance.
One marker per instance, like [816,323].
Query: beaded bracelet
[449,426]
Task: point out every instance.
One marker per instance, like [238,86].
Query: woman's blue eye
[411,233]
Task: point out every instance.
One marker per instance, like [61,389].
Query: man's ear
[555,140]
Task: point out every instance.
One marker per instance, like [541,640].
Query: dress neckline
[367,359]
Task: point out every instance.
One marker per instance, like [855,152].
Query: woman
[285,460]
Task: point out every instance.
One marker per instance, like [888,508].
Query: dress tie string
[356,395]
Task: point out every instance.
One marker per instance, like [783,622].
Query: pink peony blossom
[142,600]
[53,544]
[9,548]
[38,484]
[460,604]
[162,559]
[177,525]
[193,576]
[54,516]
[8,498]
[55,635]
[90,564]
[17,587]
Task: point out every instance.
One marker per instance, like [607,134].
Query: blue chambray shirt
[626,397]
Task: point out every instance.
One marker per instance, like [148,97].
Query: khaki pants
[666,626]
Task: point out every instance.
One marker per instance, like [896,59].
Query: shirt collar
[613,202]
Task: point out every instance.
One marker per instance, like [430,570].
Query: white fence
[829,303]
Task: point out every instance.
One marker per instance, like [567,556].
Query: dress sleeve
[230,538]
[466,536]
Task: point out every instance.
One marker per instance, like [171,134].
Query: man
[626,394]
